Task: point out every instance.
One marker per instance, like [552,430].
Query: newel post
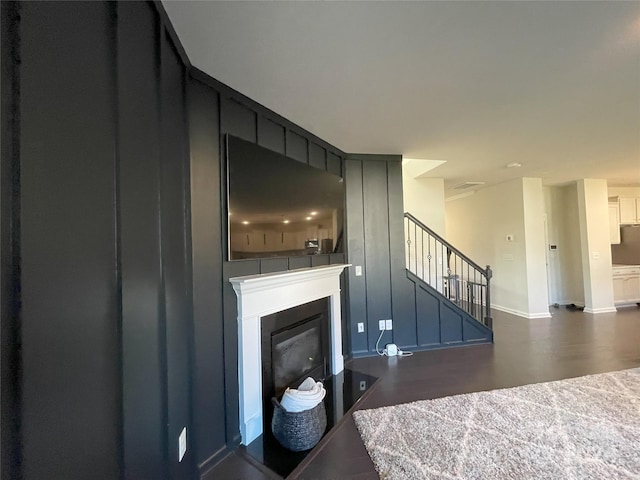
[488,319]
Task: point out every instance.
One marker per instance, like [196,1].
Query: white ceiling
[554,86]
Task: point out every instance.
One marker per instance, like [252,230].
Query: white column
[535,248]
[593,211]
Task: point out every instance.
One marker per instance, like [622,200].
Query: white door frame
[547,258]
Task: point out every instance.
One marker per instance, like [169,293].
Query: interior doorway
[551,294]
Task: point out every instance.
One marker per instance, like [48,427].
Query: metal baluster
[407,252]
[457,279]
[448,287]
[429,257]
[471,288]
[471,291]
[415,245]
[422,253]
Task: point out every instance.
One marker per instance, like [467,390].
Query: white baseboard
[518,313]
[600,310]
[626,304]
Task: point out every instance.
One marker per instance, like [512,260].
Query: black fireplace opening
[295,345]
[297,353]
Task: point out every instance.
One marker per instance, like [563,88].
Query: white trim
[260,295]
[626,304]
[596,311]
[518,313]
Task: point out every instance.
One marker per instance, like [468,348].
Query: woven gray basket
[298,431]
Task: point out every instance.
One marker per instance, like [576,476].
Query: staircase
[445,269]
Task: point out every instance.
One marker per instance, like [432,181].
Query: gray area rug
[581,428]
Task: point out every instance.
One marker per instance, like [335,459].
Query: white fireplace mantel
[261,295]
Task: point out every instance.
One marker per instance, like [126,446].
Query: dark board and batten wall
[104,288]
[422,318]
[115,278]
[127,320]
[9,245]
[239,116]
[139,169]
[375,242]
[69,288]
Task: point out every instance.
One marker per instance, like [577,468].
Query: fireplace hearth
[344,391]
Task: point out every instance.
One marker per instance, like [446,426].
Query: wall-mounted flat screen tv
[279,206]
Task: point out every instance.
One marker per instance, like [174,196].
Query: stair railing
[445,268]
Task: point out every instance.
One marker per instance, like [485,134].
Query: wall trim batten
[10,362]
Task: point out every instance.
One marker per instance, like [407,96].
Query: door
[548,261]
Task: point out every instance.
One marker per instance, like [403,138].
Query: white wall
[553,214]
[623,191]
[570,247]
[576,223]
[535,249]
[479,224]
[424,199]
[596,245]
[565,262]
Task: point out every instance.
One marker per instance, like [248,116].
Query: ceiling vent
[465,185]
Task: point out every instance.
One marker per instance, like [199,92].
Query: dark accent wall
[119,323]
[209,373]
[422,319]
[9,245]
[100,287]
[144,430]
[175,247]
[70,319]
[214,111]
[376,242]
[448,325]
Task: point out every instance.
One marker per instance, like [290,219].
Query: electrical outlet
[360,327]
[358,270]
[381,324]
[182,444]
[363,385]
[389,325]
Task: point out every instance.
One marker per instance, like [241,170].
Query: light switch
[358,270]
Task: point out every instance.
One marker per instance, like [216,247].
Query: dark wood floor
[569,344]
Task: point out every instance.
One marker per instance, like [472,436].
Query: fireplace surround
[265,294]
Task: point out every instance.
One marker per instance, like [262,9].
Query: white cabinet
[626,284]
[614,223]
[629,210]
